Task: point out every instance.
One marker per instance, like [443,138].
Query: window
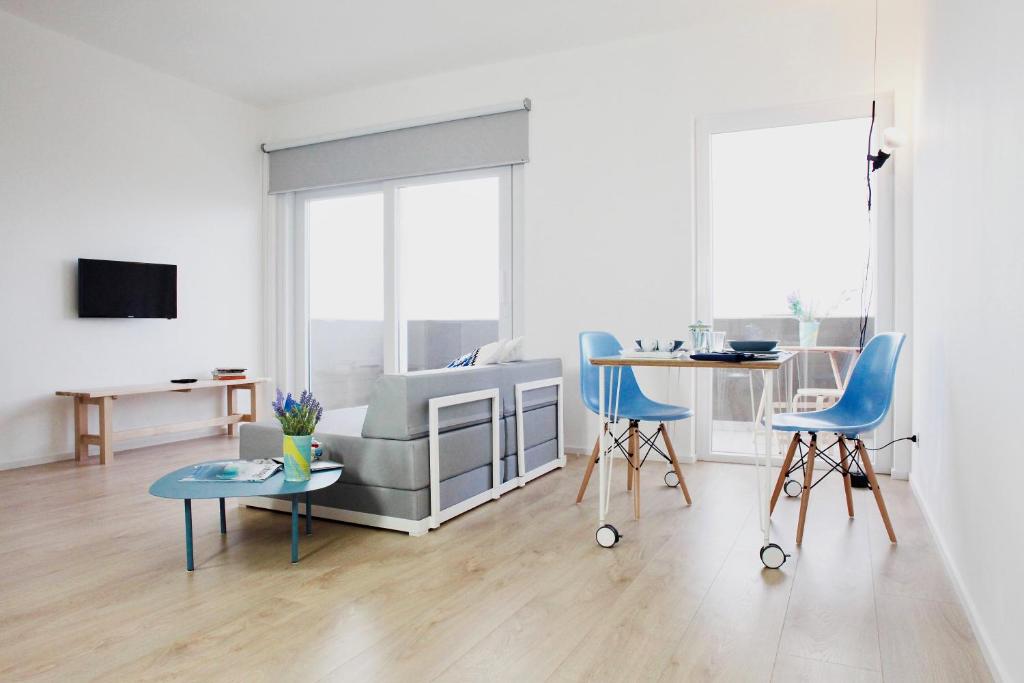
[346,296]
[404,275]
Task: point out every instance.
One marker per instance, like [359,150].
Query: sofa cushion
[541,425]
[398,404]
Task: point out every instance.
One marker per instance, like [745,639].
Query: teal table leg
[309,516]
[223,522]
[188,535]
[295,528]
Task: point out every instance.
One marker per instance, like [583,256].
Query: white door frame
[883,251]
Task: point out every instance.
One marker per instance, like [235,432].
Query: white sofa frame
[520,389]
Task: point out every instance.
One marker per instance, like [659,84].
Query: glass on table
[717,341]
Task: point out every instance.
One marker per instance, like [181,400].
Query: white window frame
[395,349]
[883,250]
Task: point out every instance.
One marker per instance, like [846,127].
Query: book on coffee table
[234,470]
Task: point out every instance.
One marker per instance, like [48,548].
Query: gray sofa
[424,449]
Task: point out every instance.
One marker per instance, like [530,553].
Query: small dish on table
[755,345]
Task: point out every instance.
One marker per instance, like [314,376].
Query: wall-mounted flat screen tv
[123,289]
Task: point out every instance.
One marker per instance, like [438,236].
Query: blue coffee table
[171,486]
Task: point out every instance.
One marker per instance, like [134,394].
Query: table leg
[231,408]
[81,428]
[189,566]
[769,443]
[602,462]
[614,390]
[106,429]
[223,521]
[833,359]
[309,516]
[772,555]
[295,528]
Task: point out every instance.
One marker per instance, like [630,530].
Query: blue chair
[860,409]
[633,406]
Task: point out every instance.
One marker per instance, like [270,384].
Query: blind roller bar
[399,125]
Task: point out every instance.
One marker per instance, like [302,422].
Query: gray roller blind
[463,144]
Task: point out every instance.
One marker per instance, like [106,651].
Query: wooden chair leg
[808,480]
[675,463]
[843,456]
[787,462]
[590,470]
[634,463]
[629,449]
[873,480]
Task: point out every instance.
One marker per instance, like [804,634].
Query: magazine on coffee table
[234,470]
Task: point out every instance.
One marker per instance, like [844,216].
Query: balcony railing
[346,356]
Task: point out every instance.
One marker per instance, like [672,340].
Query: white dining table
[609,384]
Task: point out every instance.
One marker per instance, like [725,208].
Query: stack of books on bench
[229,373]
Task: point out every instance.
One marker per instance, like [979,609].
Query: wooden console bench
[104,400]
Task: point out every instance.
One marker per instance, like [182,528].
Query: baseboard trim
[40,460]
[134,444]
[995,664]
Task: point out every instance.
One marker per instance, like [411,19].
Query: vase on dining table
[809,332]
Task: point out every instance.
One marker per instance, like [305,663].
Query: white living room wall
[968,283]
[103,158]
[608,189]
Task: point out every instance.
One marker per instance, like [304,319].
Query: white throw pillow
[492,353]
[512,351]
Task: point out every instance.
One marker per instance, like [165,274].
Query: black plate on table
[187,380]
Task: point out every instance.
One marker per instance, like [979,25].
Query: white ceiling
[269,52]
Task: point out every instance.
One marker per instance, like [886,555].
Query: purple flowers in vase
[297,418]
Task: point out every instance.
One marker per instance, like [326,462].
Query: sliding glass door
[345,234]
[451,272]
[784,236]
[403,275]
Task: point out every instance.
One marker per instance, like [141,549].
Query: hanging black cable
[866,291]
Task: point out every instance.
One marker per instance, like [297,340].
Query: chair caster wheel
[772,556]
[671,480]
[607,536]
[793,488]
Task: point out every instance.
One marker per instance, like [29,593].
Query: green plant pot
[296,451]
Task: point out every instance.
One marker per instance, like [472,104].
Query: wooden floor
[93,586]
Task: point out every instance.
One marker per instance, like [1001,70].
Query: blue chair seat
[866,400]
[828,420]
[643,408]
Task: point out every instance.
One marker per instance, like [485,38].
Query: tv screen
[122,289]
